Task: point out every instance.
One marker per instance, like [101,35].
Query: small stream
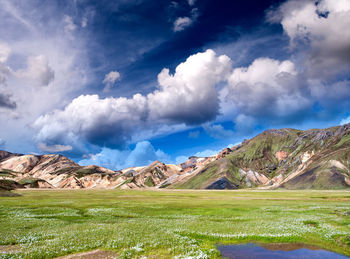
[280,251]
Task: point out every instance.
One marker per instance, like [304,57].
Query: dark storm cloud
[6,102]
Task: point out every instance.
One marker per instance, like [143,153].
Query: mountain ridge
[276,158]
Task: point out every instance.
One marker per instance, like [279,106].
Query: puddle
[271,251]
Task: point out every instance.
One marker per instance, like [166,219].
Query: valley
[275,159]
[168,223]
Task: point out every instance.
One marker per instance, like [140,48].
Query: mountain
[285,158]
[276,158]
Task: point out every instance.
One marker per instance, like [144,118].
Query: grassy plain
[168,223]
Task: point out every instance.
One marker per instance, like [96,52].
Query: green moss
[30,181]
[345,140]
[65,170]
[8,185]
[125,182]
[83,172]
[149,181]
[7,173]
[201,179]
[78,172]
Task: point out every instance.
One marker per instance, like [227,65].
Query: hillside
[283,158]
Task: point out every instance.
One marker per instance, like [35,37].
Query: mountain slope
[286,158]
[282,158]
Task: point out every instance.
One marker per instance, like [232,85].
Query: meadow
[168,223]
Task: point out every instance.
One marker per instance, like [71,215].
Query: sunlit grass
[169,224]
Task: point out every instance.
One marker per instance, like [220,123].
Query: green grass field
[168,224]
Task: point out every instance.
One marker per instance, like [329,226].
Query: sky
[123,83]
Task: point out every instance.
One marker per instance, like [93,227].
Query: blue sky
[122,83]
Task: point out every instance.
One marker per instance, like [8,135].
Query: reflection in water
[271,251]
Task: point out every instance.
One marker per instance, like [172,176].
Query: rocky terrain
[283,158]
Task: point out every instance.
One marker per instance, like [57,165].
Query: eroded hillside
[284,158]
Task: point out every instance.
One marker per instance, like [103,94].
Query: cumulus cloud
[110,79]
[191,2]
[69,24]
[322,28]
[268,88]
[4,73]
[54,148]
[103,122]
[244,124]
[143,154]
[181,23]
[37,69]
[188,96]
[4,52]
[345,121]
[180,159]
[84,22]
[330,94]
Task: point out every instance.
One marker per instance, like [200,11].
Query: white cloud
[321,26]
[63,65]
[267,87]
[84,22]
[4,73]
[345,121]
[110,79]
[16,14]
[180,159]
[191,2]
[188,96]
[5,52]
[143,154]
[181,23]
[109,121]
[331,94]
[69,25]
[232,145]
[54,148]
[37,69]
[244,123]
[207,153]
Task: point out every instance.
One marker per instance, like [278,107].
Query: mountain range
[277,158]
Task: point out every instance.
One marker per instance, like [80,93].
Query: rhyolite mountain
[276,158]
